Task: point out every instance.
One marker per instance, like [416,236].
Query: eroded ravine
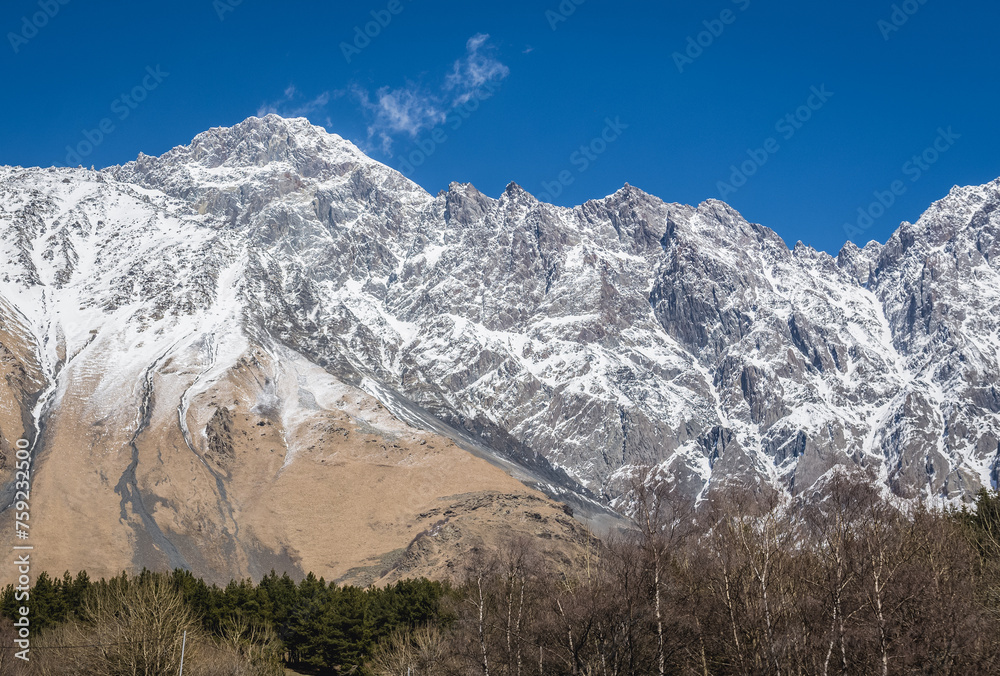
[127,486]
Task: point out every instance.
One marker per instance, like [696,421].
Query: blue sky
[570,99]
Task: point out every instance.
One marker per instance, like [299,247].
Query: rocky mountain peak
[257,150]
[257,142]
[240,172]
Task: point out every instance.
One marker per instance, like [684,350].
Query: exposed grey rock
[581,343]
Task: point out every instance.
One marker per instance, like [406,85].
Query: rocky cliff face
[213,305]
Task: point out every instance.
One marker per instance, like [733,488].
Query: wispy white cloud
[414,108]
[477,68]
[292,104]
[407,110]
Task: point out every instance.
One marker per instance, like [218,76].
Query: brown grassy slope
[283,467]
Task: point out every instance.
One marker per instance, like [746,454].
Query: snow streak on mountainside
[574,345]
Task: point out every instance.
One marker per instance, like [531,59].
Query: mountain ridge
[574,348]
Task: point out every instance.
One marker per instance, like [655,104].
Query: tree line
[135,624]
[846,580]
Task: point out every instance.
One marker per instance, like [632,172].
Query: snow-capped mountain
[275,264]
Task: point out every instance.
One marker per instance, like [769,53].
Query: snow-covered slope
[570,346]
